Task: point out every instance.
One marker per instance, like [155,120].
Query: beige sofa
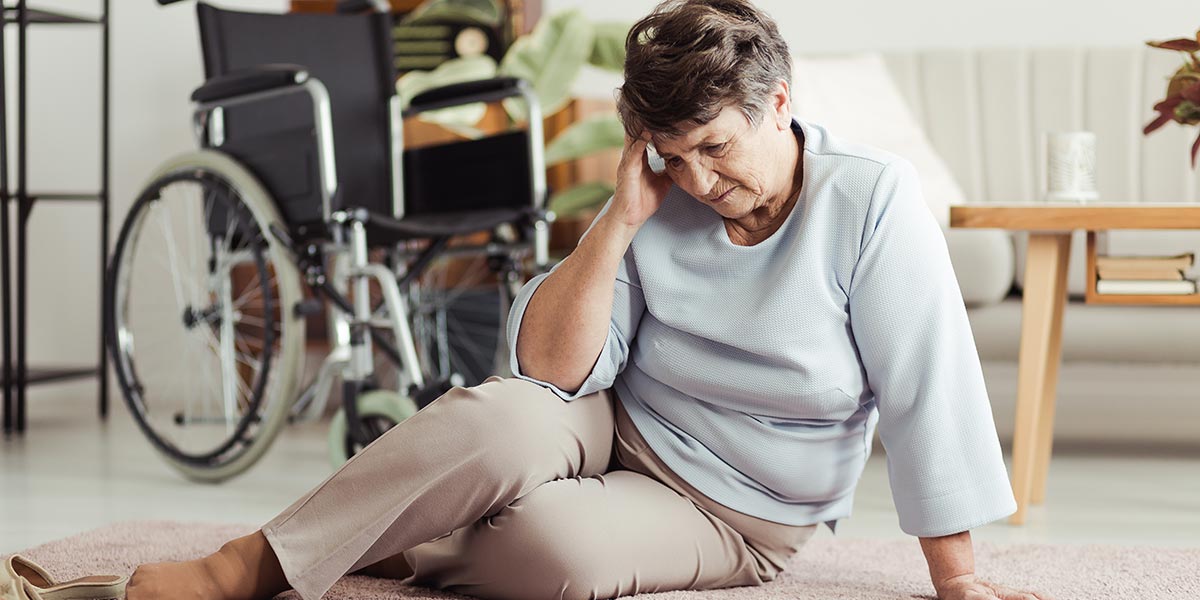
[1130,374]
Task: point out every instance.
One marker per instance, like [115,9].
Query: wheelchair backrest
[352,56]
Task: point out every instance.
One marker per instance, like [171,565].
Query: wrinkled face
[730,165]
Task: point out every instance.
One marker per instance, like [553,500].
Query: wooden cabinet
[524,13]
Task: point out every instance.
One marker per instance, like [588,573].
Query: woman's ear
[781,105]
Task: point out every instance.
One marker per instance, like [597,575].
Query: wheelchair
[302,201]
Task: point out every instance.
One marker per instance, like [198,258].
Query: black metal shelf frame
[12,14]
[16,377]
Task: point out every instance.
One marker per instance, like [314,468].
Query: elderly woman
[696,386]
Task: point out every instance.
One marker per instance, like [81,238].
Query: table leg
[1045,434]
[1037,373]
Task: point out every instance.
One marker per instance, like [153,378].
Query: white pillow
[855,97]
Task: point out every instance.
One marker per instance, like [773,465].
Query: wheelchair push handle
[358,6]
[249,80]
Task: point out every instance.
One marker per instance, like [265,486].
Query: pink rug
[825,569]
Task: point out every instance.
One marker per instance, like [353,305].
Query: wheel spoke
[172,257]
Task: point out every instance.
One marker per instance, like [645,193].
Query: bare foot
[189,580]
[243,569]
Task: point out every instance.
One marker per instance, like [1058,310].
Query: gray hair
[689,59]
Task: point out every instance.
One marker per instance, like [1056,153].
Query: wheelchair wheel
[459,310]
[378,410]
[203,334]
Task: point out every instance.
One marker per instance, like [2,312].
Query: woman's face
[732,166]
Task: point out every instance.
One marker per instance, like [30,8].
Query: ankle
[247,569]
[226,573]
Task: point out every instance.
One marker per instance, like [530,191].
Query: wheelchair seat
[441,224]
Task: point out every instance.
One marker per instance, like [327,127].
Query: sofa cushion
[983,264]
[856,98]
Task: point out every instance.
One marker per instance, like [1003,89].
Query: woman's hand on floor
[970,587]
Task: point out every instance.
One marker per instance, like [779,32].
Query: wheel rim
[197,317]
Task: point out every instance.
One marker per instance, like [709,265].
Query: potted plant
[1182,103]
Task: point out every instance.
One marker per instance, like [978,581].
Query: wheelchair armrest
[248,81]
[457,94]
[358,6]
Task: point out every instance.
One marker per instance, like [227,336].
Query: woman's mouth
[722,197]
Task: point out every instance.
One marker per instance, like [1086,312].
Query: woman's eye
[675,162]
[715,148]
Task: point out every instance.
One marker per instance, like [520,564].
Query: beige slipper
[16,589]
[22,576]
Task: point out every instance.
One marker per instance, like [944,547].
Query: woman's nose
[703,179]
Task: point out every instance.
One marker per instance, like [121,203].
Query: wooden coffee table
[1050,226]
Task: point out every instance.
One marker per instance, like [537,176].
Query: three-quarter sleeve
[910,326]
[628,306]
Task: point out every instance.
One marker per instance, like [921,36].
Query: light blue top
[759,373]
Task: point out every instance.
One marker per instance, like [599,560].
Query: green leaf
[550,58]
[457,70]
[581,198]
[585,137]
[608,47]
[482,12]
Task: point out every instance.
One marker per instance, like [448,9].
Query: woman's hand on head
[640,191]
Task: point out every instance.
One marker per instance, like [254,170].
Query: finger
[977,594]
[634,145]
[1015,595]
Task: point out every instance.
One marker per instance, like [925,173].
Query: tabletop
[1055,216]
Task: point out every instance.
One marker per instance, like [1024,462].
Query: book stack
[1144,274]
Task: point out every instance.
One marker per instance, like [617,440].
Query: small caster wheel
[378,410]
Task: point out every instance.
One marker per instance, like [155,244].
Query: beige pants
[505,491]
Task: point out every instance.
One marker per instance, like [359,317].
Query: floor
[71,472]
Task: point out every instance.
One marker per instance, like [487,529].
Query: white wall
[877,24]
[156,64]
